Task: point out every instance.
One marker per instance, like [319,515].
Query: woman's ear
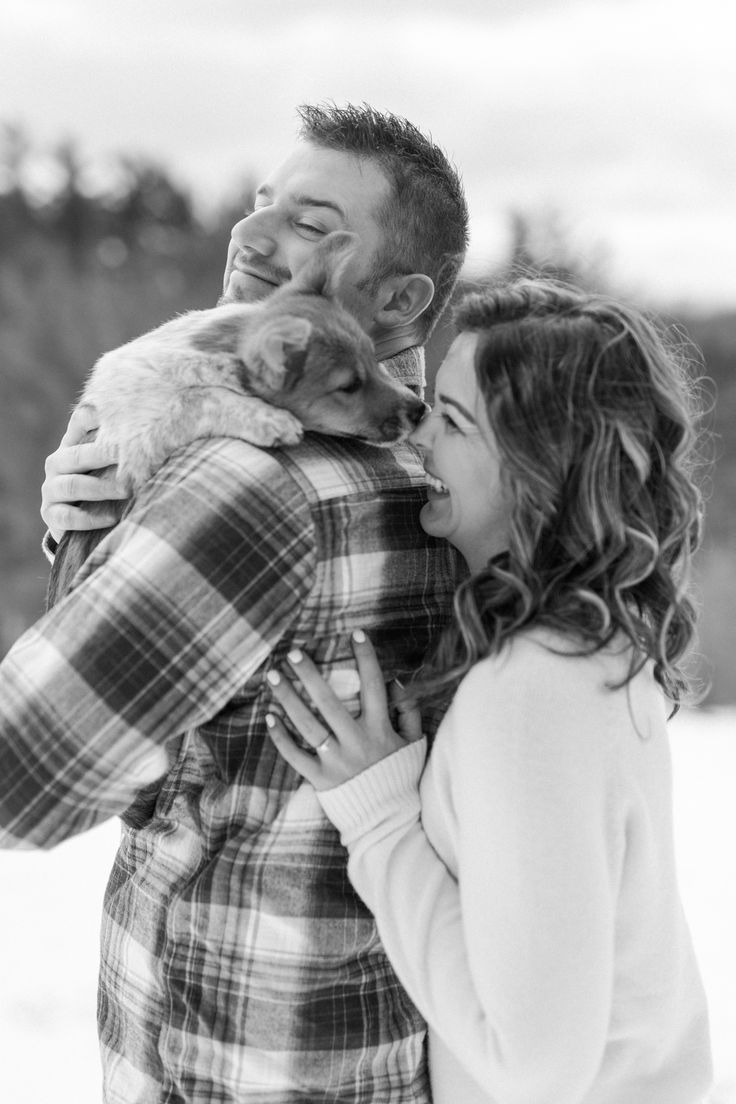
[403,299]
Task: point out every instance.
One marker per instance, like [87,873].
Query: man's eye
[351,387]
[450,423]
[308,228]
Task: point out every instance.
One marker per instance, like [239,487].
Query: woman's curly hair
[595,414]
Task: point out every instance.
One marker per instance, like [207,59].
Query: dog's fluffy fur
[264,372]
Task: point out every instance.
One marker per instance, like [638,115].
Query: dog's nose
[418,412]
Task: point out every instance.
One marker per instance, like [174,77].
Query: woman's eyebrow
[458,406]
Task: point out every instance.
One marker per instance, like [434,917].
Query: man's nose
[255,232]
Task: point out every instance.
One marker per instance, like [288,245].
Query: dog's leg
[226,413]
[199,413]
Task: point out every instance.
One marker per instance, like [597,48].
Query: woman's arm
[510,962]
[69,483]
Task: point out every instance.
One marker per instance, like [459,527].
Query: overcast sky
[620,115]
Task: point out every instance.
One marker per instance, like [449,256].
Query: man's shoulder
[334,467]
[319,468]
[220,474]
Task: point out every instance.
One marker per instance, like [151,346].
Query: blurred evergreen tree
[148,199]
[70,215]
[16,214]
[542,245]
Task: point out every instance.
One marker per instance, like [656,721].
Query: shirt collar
[408,368]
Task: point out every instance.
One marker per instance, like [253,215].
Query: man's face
[312,193]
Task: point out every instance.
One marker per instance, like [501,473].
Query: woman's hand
[68,484]
[342,746]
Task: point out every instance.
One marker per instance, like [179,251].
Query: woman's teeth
[436,485]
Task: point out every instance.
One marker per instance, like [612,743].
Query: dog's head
[304,352]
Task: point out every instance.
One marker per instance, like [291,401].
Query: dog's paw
[259,423]
[282,428]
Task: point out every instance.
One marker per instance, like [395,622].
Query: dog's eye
[351,387]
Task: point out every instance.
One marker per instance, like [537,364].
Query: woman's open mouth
[435,485]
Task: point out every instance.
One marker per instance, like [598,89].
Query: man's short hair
[425,220]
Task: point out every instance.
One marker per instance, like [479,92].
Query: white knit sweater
[526,891]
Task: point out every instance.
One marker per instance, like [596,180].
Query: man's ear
[273,350]
[403,299]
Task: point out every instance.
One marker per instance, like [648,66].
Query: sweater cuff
[371,797]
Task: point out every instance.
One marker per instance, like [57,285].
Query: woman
[524,880]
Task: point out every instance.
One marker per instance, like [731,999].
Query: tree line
[85,265]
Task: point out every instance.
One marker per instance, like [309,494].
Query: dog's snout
[418,412]
[403,419]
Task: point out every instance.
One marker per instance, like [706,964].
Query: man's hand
[68,484]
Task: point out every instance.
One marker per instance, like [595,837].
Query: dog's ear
[276,349]
[219,334]
[322,273]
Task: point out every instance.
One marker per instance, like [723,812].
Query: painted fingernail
[270,720]
[274,678]
[359,636]
[295,655]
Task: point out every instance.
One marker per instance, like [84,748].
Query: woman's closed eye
[449,423]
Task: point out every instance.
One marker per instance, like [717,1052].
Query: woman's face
[467,504]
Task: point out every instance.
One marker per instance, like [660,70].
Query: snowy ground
[50,906]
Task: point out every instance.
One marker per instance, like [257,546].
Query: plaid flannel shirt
[238,964]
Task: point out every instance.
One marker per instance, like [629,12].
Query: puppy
[265,372]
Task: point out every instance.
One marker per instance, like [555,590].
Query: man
[237,961]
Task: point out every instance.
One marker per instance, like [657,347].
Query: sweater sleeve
[510,961]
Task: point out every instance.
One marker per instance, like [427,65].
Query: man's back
[231,930]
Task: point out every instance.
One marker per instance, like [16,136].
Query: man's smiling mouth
[256,275]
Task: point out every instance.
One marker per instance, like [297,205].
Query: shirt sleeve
[175,609]
[511,960]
